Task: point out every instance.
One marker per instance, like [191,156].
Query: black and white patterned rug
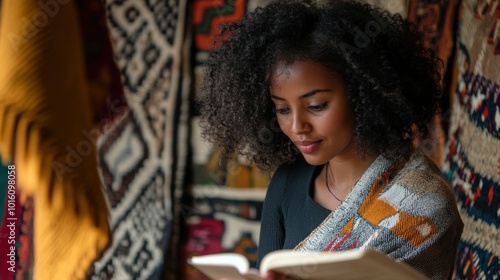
[143,154]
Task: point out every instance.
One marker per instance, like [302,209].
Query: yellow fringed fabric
[45,130]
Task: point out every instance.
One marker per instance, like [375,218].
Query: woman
[333,94]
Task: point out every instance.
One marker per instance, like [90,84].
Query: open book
[345,265]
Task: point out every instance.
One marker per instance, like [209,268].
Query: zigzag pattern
[208,16]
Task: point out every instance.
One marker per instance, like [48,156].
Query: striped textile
[472,153]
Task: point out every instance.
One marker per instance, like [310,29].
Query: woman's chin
[315,160]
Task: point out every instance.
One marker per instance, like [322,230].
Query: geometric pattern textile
[226,217]
[222,220]
[143,153]
[208,16]
[472,153]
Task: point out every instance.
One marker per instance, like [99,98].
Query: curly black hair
[393,81]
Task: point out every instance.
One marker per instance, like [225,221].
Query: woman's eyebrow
[308,94]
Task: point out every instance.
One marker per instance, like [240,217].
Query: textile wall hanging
[472,154]
[223,220]
[225,204]
[143,154]
[436,20]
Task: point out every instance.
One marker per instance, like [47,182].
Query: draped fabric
[405,209]
[46,132]
[143,153]
[472,152]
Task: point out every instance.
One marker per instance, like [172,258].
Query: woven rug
[436,20]
[143,154]
[223,220]
[225,217]
[472,154]
[207,18]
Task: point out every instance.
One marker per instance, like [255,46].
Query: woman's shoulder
[421,175]
[424,198]
[421,189]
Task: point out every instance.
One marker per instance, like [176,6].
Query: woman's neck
[347,168]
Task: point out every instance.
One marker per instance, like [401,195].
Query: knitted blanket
[405,209]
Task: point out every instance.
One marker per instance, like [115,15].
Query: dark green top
[290,213]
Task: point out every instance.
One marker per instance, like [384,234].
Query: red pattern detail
[204,41]
[467,200]
[477,194]
[486,113]
[490,195]
[330,245]
[341,242]
[205,237]
[385,177]
[472,266]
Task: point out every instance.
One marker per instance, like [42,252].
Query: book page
[225,266]
[221,272]
[237,261]
[347,265]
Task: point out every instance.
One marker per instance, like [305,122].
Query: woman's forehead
[285,70]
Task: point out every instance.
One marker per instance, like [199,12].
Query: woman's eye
[282,111]
[317,107]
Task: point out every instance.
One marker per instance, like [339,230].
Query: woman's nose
[300,124]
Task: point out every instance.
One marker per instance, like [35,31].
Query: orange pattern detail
[415,230]
[348,227]
[374,210]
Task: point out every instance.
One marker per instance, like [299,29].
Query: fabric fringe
[46,131]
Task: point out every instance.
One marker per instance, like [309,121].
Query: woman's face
[313,111]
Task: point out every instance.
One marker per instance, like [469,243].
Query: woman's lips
[307,147]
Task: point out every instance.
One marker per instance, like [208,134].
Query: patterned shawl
[405,209]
